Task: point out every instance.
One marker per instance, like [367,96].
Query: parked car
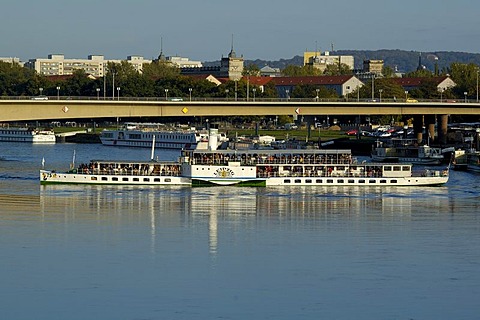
[352,132]
[40,98]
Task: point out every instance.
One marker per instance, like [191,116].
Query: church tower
[232,66]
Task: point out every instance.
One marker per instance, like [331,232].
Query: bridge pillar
[418,127]
[430,126]
[442,129]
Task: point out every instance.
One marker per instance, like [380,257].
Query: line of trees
[156,77]
[16,80]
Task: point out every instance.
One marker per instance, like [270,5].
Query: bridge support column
[442,129]
[430,126]
[418,127]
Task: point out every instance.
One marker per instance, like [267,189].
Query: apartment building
[94,65]
[321,61]
[10,60]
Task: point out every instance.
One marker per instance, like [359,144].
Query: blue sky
[262,29]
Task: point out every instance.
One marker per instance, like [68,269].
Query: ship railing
[431,173]
[318,174]
[120,172]
[256,161]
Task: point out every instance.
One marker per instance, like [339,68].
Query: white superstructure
[27,135]
[142,135]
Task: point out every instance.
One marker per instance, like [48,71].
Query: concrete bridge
[25,110]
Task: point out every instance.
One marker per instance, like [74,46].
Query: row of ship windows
[286,181]
[124,179]
[16,132]
[15,139]
[160,136]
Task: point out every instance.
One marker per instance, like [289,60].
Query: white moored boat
[407,150]
[142,134]
[27,135]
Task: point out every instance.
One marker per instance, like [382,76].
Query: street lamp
[113,86]
[236,94]
[477,85]
[98,93]
[190,92]
[287,92]
[118,93]
[406,95]
[465,94]
[254,90]
[226,94]
[166,94]
[373,86]
[58,93]
[441,94]
[41,90]
[380,92]
[316,98]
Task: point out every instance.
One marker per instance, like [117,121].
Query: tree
[251,70]
[310,91]
[78,85]
[160,69]
[13,79]
[422,73]
[337,70]
[465,76]
[297,71]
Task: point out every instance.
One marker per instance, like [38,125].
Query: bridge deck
[19,110]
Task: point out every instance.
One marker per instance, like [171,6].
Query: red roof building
[343,85]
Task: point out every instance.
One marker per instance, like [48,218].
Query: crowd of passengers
[324,171]
[129,169]
[254,159]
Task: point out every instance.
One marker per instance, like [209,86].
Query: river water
[106,252]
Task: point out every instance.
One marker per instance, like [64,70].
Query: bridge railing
[224,99]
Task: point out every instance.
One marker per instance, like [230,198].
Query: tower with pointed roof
[161,56]
[420,65]
[232,66]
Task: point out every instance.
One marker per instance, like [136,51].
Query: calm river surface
[91,252]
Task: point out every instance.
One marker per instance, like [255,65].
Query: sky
[262,29]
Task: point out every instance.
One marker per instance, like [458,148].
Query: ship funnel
[212,139]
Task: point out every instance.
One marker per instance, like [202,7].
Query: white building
[181,62]
[321,61]
[94,65]
[10,60]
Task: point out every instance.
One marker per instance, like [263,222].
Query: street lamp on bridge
[317,90]
[58,93]
[254,90]
[406,95]
[41,90]
[226,94]
[465,94]
[380,92]
[166,94]
[190,93]
[98,93]
[477,85]
[118,93]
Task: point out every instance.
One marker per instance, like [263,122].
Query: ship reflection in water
[233,207]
